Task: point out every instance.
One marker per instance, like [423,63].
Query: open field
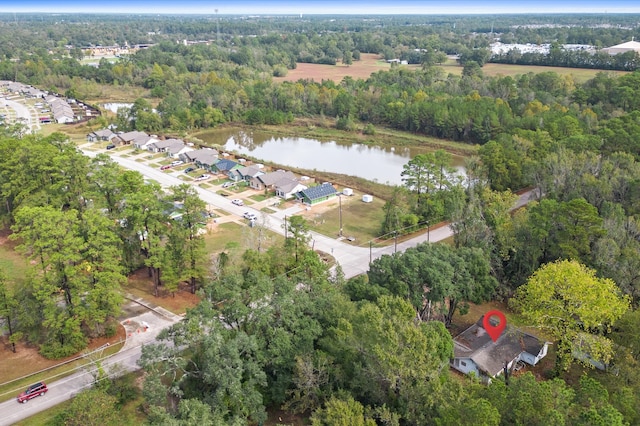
[370,63]
[360,220]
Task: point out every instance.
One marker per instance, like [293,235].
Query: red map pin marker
[494,331]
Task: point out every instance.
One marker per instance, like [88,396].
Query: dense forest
[275,329]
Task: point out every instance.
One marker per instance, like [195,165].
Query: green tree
[530,402]
[8,306]
[341,412]
[435,278]
[189,252]
[297,235]
[576,307]
[146,219]
[386,357]
[94,407]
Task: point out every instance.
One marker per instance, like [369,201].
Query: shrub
[369,129]
[345,123]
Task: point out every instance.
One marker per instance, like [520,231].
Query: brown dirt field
[368,64]
[141,285]
[27,360]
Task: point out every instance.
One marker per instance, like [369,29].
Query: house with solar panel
[317,194]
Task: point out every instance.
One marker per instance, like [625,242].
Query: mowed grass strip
[359,219]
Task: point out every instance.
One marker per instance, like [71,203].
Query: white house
[286,188]
[144,141]
[475,352]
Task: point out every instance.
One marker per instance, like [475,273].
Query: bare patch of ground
[141,285]
[367,65]
[27,359]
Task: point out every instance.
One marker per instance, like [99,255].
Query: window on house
[464,364]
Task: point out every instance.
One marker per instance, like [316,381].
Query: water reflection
[382,165]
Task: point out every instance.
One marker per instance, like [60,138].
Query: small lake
[373,163]
[113,106]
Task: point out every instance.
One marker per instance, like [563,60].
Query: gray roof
[287,185]
[160,144]
[103,133]
[271,178]
[130,136]
[175,145]
[319,191]
[206,156]
[250,171]
[490,356]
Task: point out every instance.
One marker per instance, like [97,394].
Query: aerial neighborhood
[305,215]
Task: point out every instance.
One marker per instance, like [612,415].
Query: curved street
[142,328]
[354,260]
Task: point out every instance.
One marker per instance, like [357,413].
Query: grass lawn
[260,197]
[45,417]
[360,220]
[11,262]
[219,238]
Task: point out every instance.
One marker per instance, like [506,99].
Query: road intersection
[146,322]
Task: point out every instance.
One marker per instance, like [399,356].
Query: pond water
[113,106]
[381,165]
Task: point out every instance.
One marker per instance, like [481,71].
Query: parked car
[189,169]
[111,146]
[202,177]
[165,167]
[177,163]
[227,184]
[37,389]
[237,202]
[249,216]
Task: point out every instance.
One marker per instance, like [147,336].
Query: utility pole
[395,243]
[340,202]
[428,230]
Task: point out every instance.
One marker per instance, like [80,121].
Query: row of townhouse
[285,184]
[60,108]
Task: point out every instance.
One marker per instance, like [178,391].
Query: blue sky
[323,7]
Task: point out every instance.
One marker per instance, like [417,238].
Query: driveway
[353,260]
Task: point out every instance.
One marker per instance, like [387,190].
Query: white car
[237,202]
[202,177]
[249,216]
[176,163]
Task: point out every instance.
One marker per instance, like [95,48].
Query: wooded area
[275,329]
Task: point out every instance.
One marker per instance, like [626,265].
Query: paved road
[23,113]
[353,260]
[124,361]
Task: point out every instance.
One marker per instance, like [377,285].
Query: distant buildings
[630,46]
